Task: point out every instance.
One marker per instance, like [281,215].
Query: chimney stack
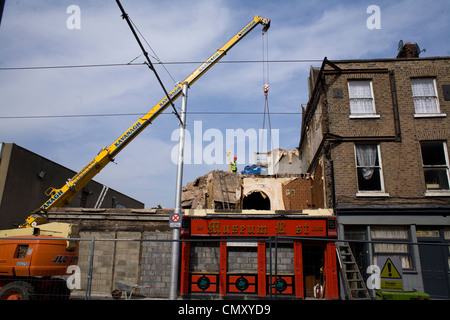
[408,50]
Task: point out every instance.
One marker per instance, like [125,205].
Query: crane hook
[266,89]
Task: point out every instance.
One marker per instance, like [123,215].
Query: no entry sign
[175,220]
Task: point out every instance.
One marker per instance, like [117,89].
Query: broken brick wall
[214,190]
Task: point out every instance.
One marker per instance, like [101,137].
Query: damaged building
[272,184]
[268,200]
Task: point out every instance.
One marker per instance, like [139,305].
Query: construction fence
[124,265]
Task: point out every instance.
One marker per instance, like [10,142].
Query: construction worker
[234,165]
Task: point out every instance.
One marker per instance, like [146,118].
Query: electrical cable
[241,113]
[155,56]
[139,114]
[158,63]
[150,64]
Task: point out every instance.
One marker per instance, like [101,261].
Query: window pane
[425,105]
[367,155]
[433,153]
[361,106]
[391,247]
[424,95]
[389,232]
[436,179]
[447,235]
[368,167]
[405,260]
[361,100]
[423,87]
[369,179]
[435,165]
[359,89]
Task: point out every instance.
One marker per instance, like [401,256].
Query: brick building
[379,131]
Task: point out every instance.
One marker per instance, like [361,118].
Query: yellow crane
[64,195]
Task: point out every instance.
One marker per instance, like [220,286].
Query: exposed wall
[211,190]
[131,247]
[280,161]
[208,191]
[270,186]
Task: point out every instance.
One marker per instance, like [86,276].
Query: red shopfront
[306,241]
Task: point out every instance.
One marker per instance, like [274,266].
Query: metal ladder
[354,283]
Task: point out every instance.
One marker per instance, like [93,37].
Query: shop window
[435,165]
[396,245]
[368,166]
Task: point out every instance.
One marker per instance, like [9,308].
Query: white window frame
[368,115]
[438,192]
[371,193]
[437,112]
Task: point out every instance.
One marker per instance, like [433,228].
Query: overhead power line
[156,63]
[139,114]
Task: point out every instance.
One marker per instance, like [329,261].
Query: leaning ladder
[222,191]
[353,281]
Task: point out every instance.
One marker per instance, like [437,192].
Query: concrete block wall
[285,259]
[242,259]
[204,256]
[127,257]
[131,258]
[156,263]
[103,261]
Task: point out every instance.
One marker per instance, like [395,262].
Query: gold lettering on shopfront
[215,227]
[280,227]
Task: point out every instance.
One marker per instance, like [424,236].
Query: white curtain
[392,233]
[424,96]
[360,94]
[366,155]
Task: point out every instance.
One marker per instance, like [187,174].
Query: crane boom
[64,195]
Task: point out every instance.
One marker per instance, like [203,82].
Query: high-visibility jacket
[233,166]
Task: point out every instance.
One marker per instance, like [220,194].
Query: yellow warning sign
[391,285]
[390,271]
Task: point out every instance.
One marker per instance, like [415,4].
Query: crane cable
[265,63]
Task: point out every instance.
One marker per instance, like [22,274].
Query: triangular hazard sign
[389,271]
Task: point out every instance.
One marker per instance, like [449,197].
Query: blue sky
[35,34]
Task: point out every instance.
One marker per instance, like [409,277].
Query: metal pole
[276,265]
[270,267]
[89,277]
[173,293]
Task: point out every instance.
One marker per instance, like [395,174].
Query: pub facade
[259,254]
